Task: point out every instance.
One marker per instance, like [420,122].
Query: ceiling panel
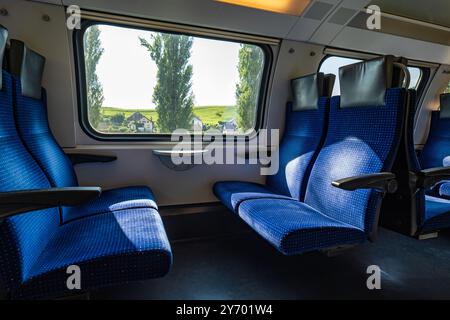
[435,11]
[205,13]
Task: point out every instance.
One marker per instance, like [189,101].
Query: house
[230,126]
[137,122]
[197,124]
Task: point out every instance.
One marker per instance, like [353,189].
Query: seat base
[109,249]
[233,193]
[293,227]
[113,200]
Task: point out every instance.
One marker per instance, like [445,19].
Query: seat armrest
[427,178]
[384,182]
[16,202]
[79,158]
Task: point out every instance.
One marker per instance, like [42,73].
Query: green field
[210,115]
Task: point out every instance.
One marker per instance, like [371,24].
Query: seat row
[339,158]
[113,236]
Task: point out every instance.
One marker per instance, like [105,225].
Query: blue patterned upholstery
[233,193]
[437,147]
[112,248]
[35,249]
[444,190]
[360,140]
[436,151]
[294,227]
[113,200]
[298,148]
[32,123]
[301,141]
[436,214]
[25,236]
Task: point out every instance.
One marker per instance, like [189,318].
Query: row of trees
[172,94]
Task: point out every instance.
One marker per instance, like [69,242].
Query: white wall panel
[49,39]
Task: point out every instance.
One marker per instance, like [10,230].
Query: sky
[128,74]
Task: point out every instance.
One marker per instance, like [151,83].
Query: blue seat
[36,249]
[294,227]
[348,178]
[434,215]
[306,120]
[32,123]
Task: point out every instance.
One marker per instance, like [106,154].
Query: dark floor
[246,267]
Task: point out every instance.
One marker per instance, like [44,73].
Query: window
[333,63]
[447,89]
[140,83]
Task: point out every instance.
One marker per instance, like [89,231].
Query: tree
[172,94]
[251,59]
[92,53]
[118,119]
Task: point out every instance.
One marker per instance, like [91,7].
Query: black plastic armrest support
[79,158]
[429,177]
[16,202]
[384,182]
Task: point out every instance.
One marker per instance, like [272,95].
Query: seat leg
[335,251]
[427,236]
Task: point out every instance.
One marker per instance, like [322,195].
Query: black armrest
[384,182]
[16,202]
[429,177]
[78,158]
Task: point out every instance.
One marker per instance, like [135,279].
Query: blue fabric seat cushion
[113,200]
[233,193]
[444,189]
[294,227]
[437,214]
[117,247]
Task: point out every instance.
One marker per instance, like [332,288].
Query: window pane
[447,90]
[145,82]
[332,65]
[416,76]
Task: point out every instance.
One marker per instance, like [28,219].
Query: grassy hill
[210,115]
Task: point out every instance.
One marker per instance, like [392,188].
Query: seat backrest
[31,116]
[364,132]
[306,123]
[436,151]
[22,237]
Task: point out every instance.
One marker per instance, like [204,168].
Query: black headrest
[365,83]
[308,89]
[3,40]
[328,85]
[28,65]
[445,106]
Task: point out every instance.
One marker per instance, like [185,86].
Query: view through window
[145,82]
[447,90]
[333,63]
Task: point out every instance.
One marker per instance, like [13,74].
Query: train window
[149,83]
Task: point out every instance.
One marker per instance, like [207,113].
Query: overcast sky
[128,74]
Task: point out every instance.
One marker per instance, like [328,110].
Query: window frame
[78,45]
